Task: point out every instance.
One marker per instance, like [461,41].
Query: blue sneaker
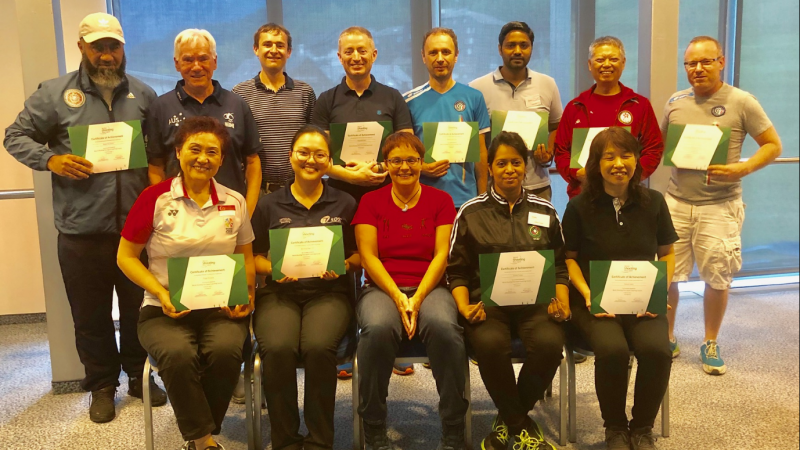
[674,348]
[345,371]
[712,361]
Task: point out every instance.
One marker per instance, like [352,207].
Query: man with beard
[90,208]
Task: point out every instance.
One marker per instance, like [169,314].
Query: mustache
[108,77]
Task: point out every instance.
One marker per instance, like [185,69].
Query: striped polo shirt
[171,225]
[278,115]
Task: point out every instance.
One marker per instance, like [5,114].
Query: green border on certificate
[488,271]
[674,133]
[598,276]
[176,272]
[337,139]
[578,140]
[542,133]
[79,135]
[429,130]
[279,238]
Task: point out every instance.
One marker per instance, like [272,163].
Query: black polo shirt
[593,230]
[378,103]
[281,210]
[169,110]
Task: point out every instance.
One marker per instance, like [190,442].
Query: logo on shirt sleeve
[460,106]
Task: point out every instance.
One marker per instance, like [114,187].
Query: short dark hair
[510,139]
[312,129]
[620,138]
[203,124]
[441,30]
[402,139]
[515,26]
[273,28]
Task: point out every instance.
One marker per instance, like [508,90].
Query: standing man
[280,105]
[90,209]
[515,87]
[197,94]
[442,99]
[607,103]
[359,98]
[706,207]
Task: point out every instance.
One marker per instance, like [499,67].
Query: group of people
[225,167]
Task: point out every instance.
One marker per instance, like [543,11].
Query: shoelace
[647,438]
[526,442]
[711,350]
[502,433]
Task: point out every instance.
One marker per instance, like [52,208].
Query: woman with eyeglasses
[617,219]
[303,320]
[509,218]
[403,233]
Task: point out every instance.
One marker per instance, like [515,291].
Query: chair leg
[630,368]
[148,411]
[665,414]
[573,397]
[562,400]
[549,391]
[468,417]
[257,396]
[358,434]
[249,403]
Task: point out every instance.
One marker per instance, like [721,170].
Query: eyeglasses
[398,162]
[690,65]
[303,155]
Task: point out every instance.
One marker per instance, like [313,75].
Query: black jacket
[485,225]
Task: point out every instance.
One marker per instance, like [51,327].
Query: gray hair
[194,34]
[606,40]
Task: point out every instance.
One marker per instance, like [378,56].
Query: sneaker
[188,445]
[531,438]
[535,431]
[498,438]
[642,439]
[403,369]
[157,395]
[473,360]
[344,371]
[712,361]
[375,437]
[452,437]
[102,407]
[426,365]
[578,357]
[238,391]
[618,439]
[674,348]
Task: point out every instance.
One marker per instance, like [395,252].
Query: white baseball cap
[98,26]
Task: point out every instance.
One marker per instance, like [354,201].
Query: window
[620,18]
[697,18]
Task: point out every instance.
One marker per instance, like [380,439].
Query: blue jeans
[381,333]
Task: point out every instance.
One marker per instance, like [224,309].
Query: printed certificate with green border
[358,141]
[532,126]
[110,147]
[306,252]
[517,278]
[456,142]
[581,141]
[695,147]
[202,282]
[628,287]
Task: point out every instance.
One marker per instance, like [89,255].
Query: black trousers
[307,329]
[612,340]
[491,342]
[198,357]
[90,273]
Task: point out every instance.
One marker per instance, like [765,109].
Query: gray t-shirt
[728,107]
[537,93]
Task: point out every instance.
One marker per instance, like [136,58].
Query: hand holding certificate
[203,282]
[307,252]
[110,147]
[530,125]
[695,147]
[358,142]
[517,278]
[628,287]
[456,142]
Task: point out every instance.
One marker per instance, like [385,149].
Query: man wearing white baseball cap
[91,203]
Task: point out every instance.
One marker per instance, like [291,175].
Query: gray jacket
[99,204]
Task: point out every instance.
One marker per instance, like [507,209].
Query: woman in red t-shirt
[403,233]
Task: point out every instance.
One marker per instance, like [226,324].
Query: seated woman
[403,233]
[303,320]
[616,218]
[198,353]
[509,219]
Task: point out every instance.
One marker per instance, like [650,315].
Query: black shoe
[157,395]
[238,391]
[376,438]
[102,408]
[578,357]
[642,439]
[618,439]
[452,437]
[498,438]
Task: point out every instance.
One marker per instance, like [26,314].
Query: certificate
[582,139]
[517,278]
[456,142]
[358,141]
[530,125]
[306,252]
[110,147]
[202,282]
[695,147]
[628,287]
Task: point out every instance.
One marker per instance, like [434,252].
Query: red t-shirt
[406,240]
[603,109]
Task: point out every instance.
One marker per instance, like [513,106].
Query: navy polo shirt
[379,103]
[281,210]
[169,110]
